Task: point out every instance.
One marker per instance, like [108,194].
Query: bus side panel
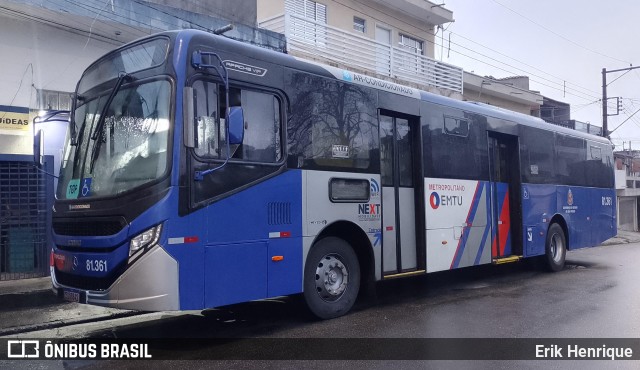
[458,227]
[245,232]
[190,258]
[284,275]
[603,203]
[538,206]
[575,206]
[321,212]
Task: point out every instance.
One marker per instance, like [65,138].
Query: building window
[308,9]
[54,100]
[359,24]
[410,43]
[309,21]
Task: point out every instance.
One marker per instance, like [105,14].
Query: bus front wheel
[331,278]
[556,248]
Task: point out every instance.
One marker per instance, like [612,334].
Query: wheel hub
[332,277]
[556,247]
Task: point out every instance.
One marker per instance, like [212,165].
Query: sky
[562,46]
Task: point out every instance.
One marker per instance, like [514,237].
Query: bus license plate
[71,296]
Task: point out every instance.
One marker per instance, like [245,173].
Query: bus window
[595,152]
[262,135]
[208,141]
[261,128]
[332,126]
[537,155]
[571,156]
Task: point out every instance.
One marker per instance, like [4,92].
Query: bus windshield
[128,149]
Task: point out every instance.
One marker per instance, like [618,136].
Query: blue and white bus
[201,172]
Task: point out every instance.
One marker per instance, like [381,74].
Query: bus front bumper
[149,284]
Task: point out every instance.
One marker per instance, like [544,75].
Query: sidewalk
[30,304]
[624,237]
[25,286]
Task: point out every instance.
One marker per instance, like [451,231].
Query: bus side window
[262,126]
[207,131]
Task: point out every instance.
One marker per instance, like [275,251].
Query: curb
[25,286]
[61,323]
[31,299]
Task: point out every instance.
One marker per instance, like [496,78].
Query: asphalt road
[596,295]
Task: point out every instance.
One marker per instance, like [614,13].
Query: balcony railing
[319,41]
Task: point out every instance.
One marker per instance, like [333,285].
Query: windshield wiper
[103,117]
[105,109]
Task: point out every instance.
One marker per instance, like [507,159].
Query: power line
[510,72]
[625,121]
[559,35]
[525,71]
[521,62]
[29,66]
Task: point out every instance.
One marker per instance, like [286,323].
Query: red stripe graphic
[503,229]
[506,223]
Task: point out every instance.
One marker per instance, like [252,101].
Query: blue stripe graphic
[467,229]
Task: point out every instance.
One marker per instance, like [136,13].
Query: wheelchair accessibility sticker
[85,190]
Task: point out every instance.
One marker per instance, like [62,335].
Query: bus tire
[555,248]
[331,278]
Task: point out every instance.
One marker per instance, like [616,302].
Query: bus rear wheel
[331,278]
[555,248]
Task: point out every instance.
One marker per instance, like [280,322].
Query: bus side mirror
[235,119]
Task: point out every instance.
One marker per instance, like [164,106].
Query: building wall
[269,8]
[628,213]
[470,95]
[38,56]
[242,11]
[340,14]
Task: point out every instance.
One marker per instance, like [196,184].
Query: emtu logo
[434,200]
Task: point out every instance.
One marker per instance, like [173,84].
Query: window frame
[245,86]
[401,43]
[356,25]
[349,200]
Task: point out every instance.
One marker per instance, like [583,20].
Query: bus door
[505,196]
[399,190]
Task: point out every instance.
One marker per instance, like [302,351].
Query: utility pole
[605,123]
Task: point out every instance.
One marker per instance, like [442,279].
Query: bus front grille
[88,227]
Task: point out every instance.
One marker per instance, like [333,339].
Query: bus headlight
[143,241]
